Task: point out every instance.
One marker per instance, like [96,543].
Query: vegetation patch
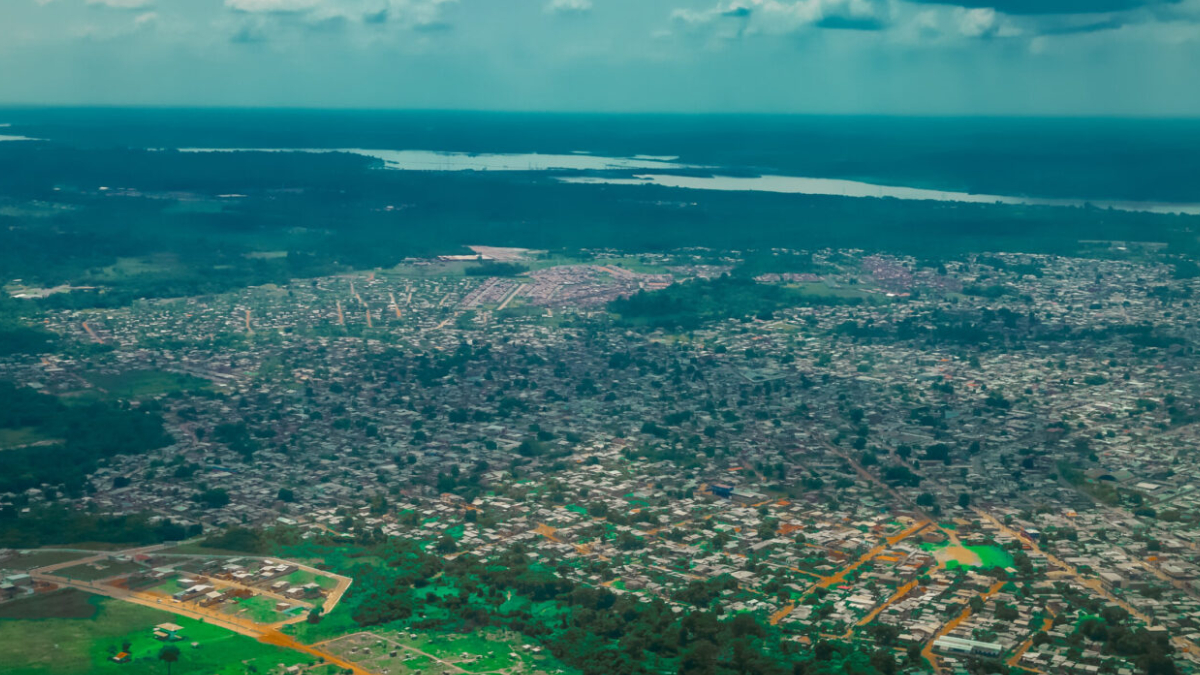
[139,384]
[63,604]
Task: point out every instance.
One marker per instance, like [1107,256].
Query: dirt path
[91,333]
[950,625]
[1093,584]
[1015,659]
[896,597]
[268,634]
[398,645]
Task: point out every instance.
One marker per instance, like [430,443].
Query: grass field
[68,646]
[65,604]
[135,384]
[302,577]
[101,570]
[13,438]
[259,609]
[35,559]
[972,556]
[478,652]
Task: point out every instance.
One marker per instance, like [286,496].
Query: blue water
[1110,160]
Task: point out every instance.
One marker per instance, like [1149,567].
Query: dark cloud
[737,12]
[433,27]
[248,35]
[1111,23]
[1031,7]
[836,22]
[376,18]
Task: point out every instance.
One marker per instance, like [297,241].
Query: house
[952,645]
[168,632]
[123,657]
[192,592]
[20,580]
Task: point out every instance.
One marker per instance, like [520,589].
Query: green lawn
[64,604]
[302,577]
[136,384]
[63,646]
[13,438]
[259,609]
[101,570]
[35,559]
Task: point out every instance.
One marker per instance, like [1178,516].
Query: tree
[964,500]
[169,654]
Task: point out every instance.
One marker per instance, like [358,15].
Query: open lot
[34,559]
[100,570]
[66,646]
[136,384]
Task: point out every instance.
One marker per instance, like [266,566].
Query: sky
[897,57]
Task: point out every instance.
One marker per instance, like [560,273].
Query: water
[1149,162]
[848,188]
[426,160]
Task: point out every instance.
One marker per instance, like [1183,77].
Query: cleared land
[104,570]
[136,384]
[65,646]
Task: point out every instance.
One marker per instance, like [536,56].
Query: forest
[215,221]
[77,438]
[691,304]
[589,628]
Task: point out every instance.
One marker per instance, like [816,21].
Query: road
[1015,659]
[1093,584]
[950,625]
[268,634]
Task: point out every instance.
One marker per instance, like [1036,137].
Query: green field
[13,438]
[989,556]
[102,570]
[35,559]
[67,646]
[259,609]
[64,604]
[302,577]
[136,384]
[992,556]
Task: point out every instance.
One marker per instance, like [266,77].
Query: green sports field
[78,633]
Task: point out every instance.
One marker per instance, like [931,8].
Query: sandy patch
[958,554]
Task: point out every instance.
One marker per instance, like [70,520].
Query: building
[168,632]
[961,647]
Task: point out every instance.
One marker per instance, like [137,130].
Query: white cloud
[986,22]
[781,16]
[568,6]
[272,14]
[978,22]
[273,6]
[118,4]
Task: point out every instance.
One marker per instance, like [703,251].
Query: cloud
[272,17]
[568,6]
[783,16]
[116,4]
[1036,7]
[273,6]
[979,22]
[1045,18]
